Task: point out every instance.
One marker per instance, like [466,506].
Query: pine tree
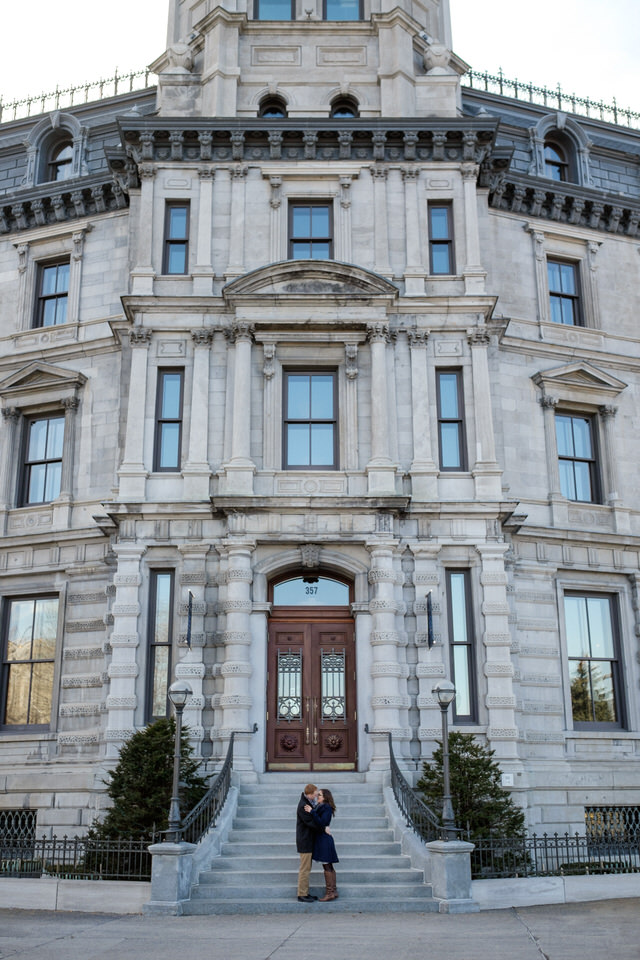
[140,784]
[480,804]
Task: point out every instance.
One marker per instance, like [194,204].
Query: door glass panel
[332,669]
[311,591]
[289,685]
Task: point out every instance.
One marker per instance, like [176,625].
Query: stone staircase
[258,867]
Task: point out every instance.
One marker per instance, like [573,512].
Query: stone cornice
[60,202]
[233,139]
[566,203]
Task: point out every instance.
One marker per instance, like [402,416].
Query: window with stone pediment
[30,631]
[53,293]
[42,468]
[60,161]
[577,457]
[310,230]
[564,292]
[310,422]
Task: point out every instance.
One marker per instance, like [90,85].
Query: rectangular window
[29,647]
[461,651]
[564,298]
[342,9]
[310,421]
[451,433]
[440,239]
[160,643]
[274,10]
[168,443]
[576,458]
[43,459]
[53,294]
[594,667]
[176,239]
[310,231]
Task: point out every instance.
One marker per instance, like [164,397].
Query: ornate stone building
[313,331]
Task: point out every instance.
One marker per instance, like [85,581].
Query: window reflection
[311,591]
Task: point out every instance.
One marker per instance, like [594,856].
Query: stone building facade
[309,339]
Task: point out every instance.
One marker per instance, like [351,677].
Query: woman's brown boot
[330,882]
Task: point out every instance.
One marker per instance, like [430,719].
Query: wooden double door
[311,693]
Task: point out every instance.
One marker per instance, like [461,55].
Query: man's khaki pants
[303,874]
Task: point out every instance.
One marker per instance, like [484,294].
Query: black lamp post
[178,693]
[445,692]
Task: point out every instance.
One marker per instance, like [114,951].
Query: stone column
[474,275]
[502,732]
[486,473]
[350,413]
[236,701]
[423,470]
[431,665]
[190,666]
[125,639]
[196,470]
[414,272]
[203,270]
[9,459]
[542,284]
[592,300]
[609,460]
[26,274]
[143,274]
[380,470]
[271,427]
[240,469]
[549,405]
[132,472]
[344,253]
[386,700]
[235,267]
[276,218]
[75,275]
[381,227]
[62,504]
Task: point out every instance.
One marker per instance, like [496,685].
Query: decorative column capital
[418,338]
[410,174]
[276,186]
[140,336]
[469,171]
[11,414]
[70,404]
[547,402]
[377,333]
[202,337]
[207,173]
[608,411]
[241,330]
[478,337]
[239,172]
[379,173]
[147,171]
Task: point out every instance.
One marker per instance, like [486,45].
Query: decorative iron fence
[612,824]
[17,825]
[77,858]
[205,813]
[554,99]
[554,855]
[416,813]
[74,96]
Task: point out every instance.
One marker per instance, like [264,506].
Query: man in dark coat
[305,830]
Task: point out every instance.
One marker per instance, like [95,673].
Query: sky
[590,47]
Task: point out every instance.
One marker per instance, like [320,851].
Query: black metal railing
[612,824]
[416,813]
[205,813]
[17,825]
[553,855]
[60,99]
[553,98]
[77,858]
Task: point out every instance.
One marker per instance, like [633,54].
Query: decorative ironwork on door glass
[333,701]
[289,685]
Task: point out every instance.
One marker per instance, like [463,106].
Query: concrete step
[242,831]
[375,863]
[274,891]
[288,877]
[348,851]
[373,904]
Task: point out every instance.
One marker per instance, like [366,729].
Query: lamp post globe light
[178,693]
[445,692]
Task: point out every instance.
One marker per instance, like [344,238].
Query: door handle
[307,737]
[315,721]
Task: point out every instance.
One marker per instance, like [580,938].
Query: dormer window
[274,10]
[343,108]
[342,9]
[556,165]
[60,165]
[272,107]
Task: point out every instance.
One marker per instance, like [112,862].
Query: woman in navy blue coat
[324,848]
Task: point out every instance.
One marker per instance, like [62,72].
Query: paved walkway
[582,931]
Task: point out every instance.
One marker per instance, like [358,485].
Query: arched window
[556,164]
[344,107]
[60,161]
[311,590]
[272,107]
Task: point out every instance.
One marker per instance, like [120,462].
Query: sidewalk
[580,931]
